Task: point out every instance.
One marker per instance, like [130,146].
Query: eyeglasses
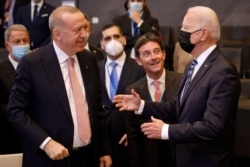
[196,31]
[109,38]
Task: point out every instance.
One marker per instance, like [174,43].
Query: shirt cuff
[140,23]
[45,142]
[140,109]
[164,132]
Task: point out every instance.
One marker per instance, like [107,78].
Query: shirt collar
[87,46]
[120,61]
[40,4]
[13,62]
[161,79]
[200,59]
[61,55]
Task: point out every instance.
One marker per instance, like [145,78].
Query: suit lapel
[143,89]
[125,77]
[170,85]
[53,71]
[200,73]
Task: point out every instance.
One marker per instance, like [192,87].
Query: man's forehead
[111,31]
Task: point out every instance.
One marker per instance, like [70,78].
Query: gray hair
[14,27]
[55,19]
[207,18]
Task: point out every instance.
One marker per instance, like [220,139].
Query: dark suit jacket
[145,152]
[99,55]
[115,121]
[17,5]
[205,129]
[10,141]
[38,105]
[39,30]
[150,24]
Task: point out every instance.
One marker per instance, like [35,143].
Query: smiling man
[44,106]
[150,54]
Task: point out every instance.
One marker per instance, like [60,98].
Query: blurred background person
[117,71]
[136,22]
[181,58]
[17,43]
[34,16]
[98,53]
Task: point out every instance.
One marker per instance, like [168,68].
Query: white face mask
[136,6]
[114,48]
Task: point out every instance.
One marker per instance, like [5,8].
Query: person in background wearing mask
[34,16]
[17,43]
[136,22]
[99,55]
[117,71]
[203,114]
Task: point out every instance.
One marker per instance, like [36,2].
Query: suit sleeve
[19,106]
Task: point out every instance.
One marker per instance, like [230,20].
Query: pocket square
[45,15]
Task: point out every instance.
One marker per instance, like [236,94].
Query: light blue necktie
[113,80]
[189,76]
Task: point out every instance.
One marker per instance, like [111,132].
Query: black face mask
[184,40]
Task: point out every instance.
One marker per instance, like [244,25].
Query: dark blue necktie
[113,80]
[35,14]
[136,30]
[189,76]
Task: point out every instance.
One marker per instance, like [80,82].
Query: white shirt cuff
[164,132]
[45,142]
[140,109]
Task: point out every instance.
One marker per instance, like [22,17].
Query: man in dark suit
[15,35]
[136,22]
[150,54]
[43,106]
[202,116]
[127,71]
[37,24]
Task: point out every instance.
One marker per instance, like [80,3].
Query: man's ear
[102,44]
[7,46]
[124,41]
[57,34]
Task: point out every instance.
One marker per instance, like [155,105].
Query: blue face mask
[20,50]
[136,6]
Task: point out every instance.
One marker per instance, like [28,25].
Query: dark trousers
[82,157]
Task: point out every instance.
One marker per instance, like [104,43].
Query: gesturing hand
[153,129]
[128,102]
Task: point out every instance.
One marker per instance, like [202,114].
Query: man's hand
[55,150]
[124,140]
[105,161]
[127,102]
[152,129]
